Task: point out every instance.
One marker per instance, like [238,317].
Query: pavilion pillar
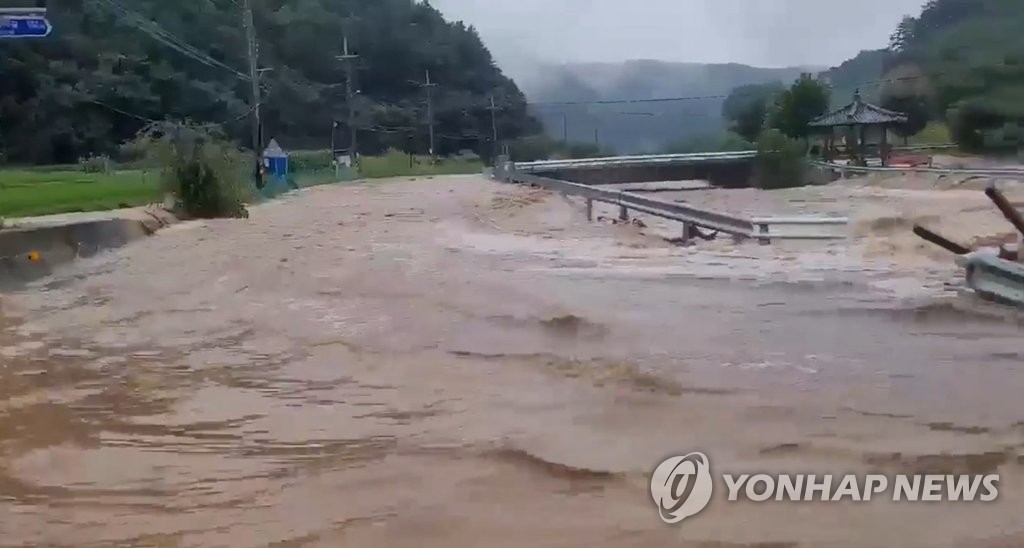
[862,146]
[884,147]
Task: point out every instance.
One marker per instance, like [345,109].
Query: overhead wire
[721,96]
[161,35]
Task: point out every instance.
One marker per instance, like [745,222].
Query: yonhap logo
[681,487]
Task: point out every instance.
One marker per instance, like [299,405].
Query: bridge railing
[980,172]
[767,229]
[764,230]
[627,161]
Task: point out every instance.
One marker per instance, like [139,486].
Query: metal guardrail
[995,172]
[993,278]
[668,210]
[763,229]
[625,161]
[800,228]
[911,148]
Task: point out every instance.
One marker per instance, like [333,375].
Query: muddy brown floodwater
[455,362]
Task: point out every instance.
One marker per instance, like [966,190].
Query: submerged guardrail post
[763,234]
[689,232]
[590,209]
[623,213]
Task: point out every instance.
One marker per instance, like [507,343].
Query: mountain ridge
[640,126]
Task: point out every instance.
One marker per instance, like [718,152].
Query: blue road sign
[24,27]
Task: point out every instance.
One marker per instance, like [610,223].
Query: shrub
[133,155]
[987,123]
[781,161]
[310,160]
[95,164]
[1008,138]
[202,169]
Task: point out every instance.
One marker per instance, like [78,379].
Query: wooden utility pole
[494,130]
[430,113]
[429,86]
[350,93]
[254,77]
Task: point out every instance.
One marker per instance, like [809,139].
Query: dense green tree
[112,66]
[746,108]
[971,53]
[903,35]
[916,108]
[781,161]
[807,99]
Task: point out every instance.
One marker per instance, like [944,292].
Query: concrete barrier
[34,249]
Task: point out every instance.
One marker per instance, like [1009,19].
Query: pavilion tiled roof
[859,113]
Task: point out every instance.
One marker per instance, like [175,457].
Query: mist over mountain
[646,124]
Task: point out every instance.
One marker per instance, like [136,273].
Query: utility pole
[565,128]
[430,114]
[428,85]
[350,93]
[254,77]
[494,131]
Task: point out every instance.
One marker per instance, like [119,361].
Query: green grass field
[46,190]
[935,133]
[25,193]
[397,164]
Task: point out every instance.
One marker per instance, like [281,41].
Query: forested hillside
[112,65]
[962,61]
[650,124]
[854,74]
[972,52]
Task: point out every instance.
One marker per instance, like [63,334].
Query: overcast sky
[769,33]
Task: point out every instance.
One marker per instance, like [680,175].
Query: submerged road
[453,362]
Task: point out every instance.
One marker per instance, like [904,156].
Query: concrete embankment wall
[31,252]
[733,174]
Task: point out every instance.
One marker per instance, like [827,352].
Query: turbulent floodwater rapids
[459,363]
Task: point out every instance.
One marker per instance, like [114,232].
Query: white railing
[764,229]
[767,229]
[981,172]
[624,161]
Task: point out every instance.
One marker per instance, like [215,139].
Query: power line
[124,112]
[349,60]
[161,35]
[720,96]
[429,86]
[254,80]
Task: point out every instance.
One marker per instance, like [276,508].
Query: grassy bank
[25,193]
[45,190]
[397,164]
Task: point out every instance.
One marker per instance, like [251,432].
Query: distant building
[857,131]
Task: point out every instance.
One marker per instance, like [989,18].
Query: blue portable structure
[275,160]
[25,22]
